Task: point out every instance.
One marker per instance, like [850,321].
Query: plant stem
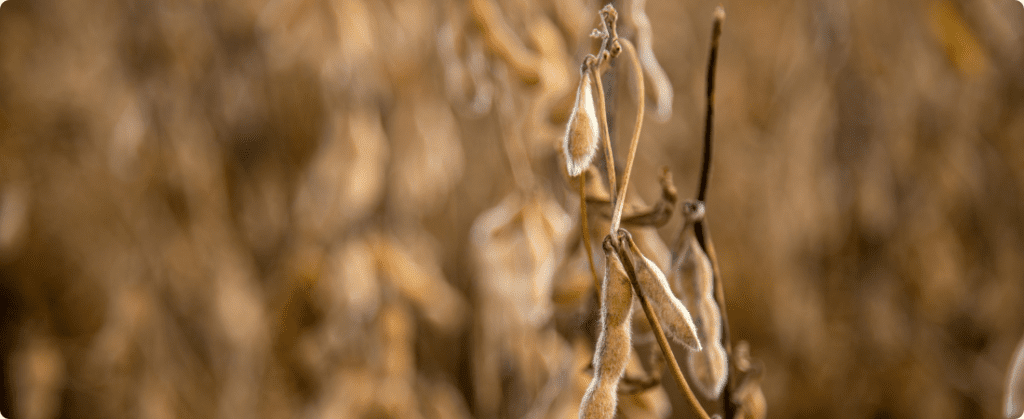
[586,232]
[716,33]
[659,334]
[639,77]
[700,229]
[602,112]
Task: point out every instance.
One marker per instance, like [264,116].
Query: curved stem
[638,75]
[609,158]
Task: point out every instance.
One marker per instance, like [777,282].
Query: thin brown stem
[659,334]
[700,229]
[586,232]
[602,113]
[638,75]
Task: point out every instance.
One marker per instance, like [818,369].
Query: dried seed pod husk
[14,216]
[695,287]
[674,316]
[657,251]
[750,400]
[516,247]
[411,267]
[582,133]
[502,39]
[345,180]
[429,165]
[655,74]
[441,400]
[614,343]
[748,396]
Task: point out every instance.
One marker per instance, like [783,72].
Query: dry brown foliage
[355,208]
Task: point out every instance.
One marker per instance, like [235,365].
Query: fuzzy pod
[709,368]
[750,401]
[581,133]
[674,316]
[613,344]
[695,286]
[748,397]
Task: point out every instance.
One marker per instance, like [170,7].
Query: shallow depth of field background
[266,209]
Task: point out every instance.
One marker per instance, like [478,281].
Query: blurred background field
[355,208]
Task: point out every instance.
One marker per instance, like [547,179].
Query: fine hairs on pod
[582,134]
[674,316]
[613,344]
[695,284]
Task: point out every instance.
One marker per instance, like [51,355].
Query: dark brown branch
[700,229]
[705,172]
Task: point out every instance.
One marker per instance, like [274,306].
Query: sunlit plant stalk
[597,403]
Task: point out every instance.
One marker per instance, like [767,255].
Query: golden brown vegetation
[354,208]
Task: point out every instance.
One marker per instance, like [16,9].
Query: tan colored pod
[695,287]
[674,316]
[582,133]
[613,344]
